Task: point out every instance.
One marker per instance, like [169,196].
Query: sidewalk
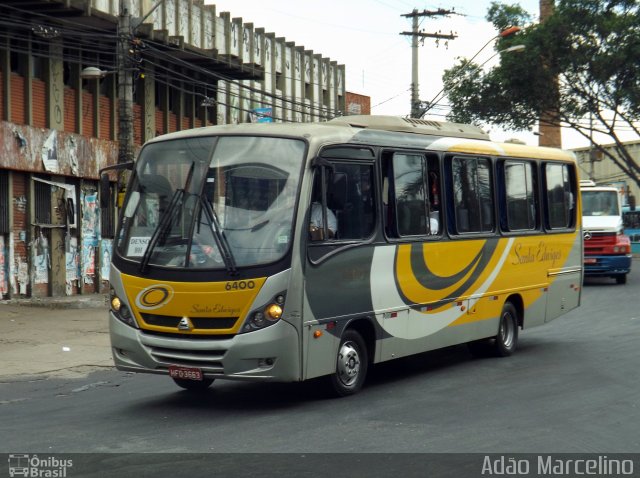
[61,337]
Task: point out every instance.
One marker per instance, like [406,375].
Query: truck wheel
[194,385]
[621,279]
[351,365]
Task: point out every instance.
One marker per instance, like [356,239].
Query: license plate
[185,373]
[590,261]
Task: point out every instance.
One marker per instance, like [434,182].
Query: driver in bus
[315,222]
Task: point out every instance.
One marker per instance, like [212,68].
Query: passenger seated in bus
[433,223]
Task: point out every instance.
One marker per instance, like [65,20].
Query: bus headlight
[120,310]
[265,316]
[274,312]
[258,320]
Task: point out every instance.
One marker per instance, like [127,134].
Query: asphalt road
[572,387]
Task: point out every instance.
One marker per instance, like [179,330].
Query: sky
[365,36]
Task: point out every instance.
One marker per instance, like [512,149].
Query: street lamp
[503,34]
[93,73]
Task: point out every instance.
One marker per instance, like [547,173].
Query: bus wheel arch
[518,303]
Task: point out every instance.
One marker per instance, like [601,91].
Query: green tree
[590,49]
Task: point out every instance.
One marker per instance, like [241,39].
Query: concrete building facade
[192,67]
[599,168]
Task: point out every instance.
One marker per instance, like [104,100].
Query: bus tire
[193,385]
[506,340]
[351,365]
[621,279]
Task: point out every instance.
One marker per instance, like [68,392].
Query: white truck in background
[607,250]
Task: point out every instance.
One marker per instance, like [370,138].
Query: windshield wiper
[165,220]
[219,237]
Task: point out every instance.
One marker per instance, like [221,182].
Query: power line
[88,36]
[417,36]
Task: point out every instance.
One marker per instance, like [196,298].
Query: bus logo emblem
[154,297]
[185,324]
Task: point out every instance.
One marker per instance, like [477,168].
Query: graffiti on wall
[105,255]
[71,259]
[72,150]
[54,151]
[50,152]
[20,203]
[90,218]
[42,259]
[23,275]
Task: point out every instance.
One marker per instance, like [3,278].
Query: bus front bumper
[270,354]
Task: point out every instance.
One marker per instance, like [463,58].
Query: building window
[42,193]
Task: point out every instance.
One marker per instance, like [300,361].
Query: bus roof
[391,131]
[412,125]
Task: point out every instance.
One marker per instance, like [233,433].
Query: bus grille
[208,360]
[205,323]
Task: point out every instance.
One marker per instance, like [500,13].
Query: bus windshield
[600,203]
[212,202]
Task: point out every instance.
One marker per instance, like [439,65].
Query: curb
[97,301]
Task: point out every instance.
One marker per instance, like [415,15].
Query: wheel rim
[348,363]
[507,330]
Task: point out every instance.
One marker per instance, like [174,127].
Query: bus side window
[435,218]
[356,212]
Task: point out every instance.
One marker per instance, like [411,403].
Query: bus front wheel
[351,365]
[193,385]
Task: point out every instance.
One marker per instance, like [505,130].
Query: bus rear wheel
[193,385]
[506,340]
[351,365]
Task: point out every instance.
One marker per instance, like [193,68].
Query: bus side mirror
[105,191]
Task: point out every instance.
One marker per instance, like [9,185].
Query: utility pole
[125,85]
[417,36]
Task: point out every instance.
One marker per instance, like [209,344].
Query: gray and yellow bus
[286,252]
